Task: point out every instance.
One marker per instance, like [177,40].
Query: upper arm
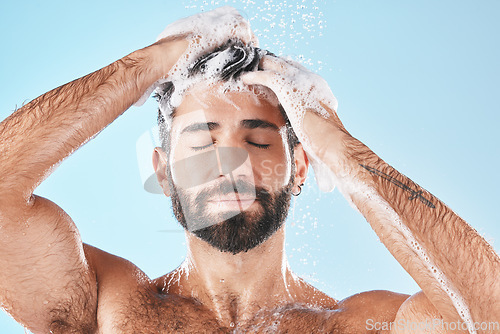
[46,282]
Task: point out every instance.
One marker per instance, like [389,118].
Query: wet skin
[216,291]
[132,303]
[51,282]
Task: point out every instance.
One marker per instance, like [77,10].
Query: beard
[232,231]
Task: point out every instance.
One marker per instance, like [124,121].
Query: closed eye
[262,146]
[199,148]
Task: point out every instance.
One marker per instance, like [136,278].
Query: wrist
[166,52]
[325,137]
[155,61]
[328,140]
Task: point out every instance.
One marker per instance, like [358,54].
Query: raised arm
[455,267]
[47,282]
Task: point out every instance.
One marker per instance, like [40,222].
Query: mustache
[239,187]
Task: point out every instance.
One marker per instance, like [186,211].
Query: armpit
[74,315]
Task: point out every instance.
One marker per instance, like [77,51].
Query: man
[235,277]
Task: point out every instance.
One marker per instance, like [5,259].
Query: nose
[234,160]
[232,155]
[207,166]
[234,163]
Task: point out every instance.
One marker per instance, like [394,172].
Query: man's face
[230,169]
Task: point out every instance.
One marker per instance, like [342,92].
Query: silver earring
[300,190]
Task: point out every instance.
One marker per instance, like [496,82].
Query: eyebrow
[258,123]
[246,124]
[201,126]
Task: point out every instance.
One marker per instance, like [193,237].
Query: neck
[236,286]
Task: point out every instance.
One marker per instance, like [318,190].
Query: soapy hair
[225,64]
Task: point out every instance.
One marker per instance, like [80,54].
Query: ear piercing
[300,190]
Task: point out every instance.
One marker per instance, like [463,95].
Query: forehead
[221,103]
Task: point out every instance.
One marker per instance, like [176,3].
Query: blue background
[417,82]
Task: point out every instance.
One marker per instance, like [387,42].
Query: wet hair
[239,58]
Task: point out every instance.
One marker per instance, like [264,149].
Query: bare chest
[176,314]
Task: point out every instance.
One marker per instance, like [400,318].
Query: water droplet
[231,325]
[222,280]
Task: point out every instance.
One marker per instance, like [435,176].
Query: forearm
[42,133]
[430,241]
[454,266]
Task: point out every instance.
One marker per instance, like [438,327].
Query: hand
[310,106]
[207,31]
[203,33]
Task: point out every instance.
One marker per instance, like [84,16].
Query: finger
[272,63]
[280,65]
[265,78]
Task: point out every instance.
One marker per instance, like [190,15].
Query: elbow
[12,197]
[15,188]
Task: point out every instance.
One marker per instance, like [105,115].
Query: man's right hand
[195,36]
[207,31]
[48,278]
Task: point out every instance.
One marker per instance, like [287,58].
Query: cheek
[190,171]
[274,173]
[276,168]
[201,168]
[187,167]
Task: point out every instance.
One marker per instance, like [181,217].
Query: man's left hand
[310,106]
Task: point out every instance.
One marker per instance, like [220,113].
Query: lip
[229,201]
[233,198]
[233,203]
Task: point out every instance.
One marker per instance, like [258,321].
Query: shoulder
[418,311]
[122,286]
[112,270]
[382,311]
[359,313]
[376,304]
[103,262]
[307,294]
[119,281]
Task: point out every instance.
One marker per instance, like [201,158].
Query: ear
[160,166]
[301,164]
